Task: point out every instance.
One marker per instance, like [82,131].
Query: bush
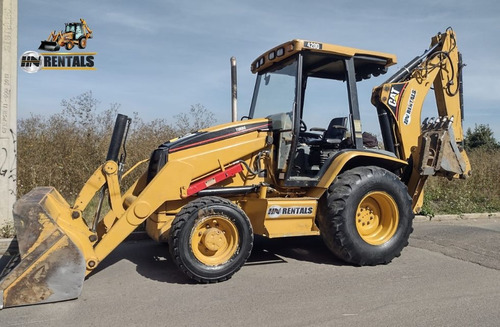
[478,193]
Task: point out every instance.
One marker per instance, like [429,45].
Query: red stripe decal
[399,100]
[219,137]
[214,179]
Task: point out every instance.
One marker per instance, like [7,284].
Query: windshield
[78,32]
[70,28]
[275,91]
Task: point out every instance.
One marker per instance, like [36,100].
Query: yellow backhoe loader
[73,34]
[208,193]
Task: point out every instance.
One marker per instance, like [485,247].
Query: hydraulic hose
[404,72]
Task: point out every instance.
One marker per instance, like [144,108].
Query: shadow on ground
[153,260]
[10,257]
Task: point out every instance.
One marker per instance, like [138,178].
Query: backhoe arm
[85,26]
[434,147]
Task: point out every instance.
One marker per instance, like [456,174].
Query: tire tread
[332,216]
[181,219]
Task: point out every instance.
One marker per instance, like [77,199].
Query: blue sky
[159,57]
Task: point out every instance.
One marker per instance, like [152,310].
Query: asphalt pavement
[449,275]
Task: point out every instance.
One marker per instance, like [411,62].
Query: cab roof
[370,62]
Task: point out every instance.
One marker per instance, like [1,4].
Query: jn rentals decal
[409,108]
[276,211]
[32,61]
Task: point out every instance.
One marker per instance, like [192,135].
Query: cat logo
[395,95]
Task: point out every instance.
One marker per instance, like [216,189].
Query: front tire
[365,217]
[210,239]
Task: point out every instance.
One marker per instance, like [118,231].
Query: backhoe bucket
[49,46]
[439,153]
[52,266]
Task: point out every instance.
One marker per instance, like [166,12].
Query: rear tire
[210,239]
[82,42]
[365,217]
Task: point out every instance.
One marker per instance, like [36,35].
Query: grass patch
[479,193]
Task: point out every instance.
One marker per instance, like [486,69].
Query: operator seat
[333,135]
[335,132]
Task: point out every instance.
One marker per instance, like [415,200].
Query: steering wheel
[303,126]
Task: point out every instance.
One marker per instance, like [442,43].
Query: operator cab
[75,28]
[308,90]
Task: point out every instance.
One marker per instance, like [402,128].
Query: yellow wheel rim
[377,218]
[214,240]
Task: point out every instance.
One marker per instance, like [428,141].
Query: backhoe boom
[399,102]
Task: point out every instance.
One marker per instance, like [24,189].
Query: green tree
[481,137]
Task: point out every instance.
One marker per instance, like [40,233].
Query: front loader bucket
[49,46]
[52,266]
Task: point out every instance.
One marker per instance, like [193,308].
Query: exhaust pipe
[234,91]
